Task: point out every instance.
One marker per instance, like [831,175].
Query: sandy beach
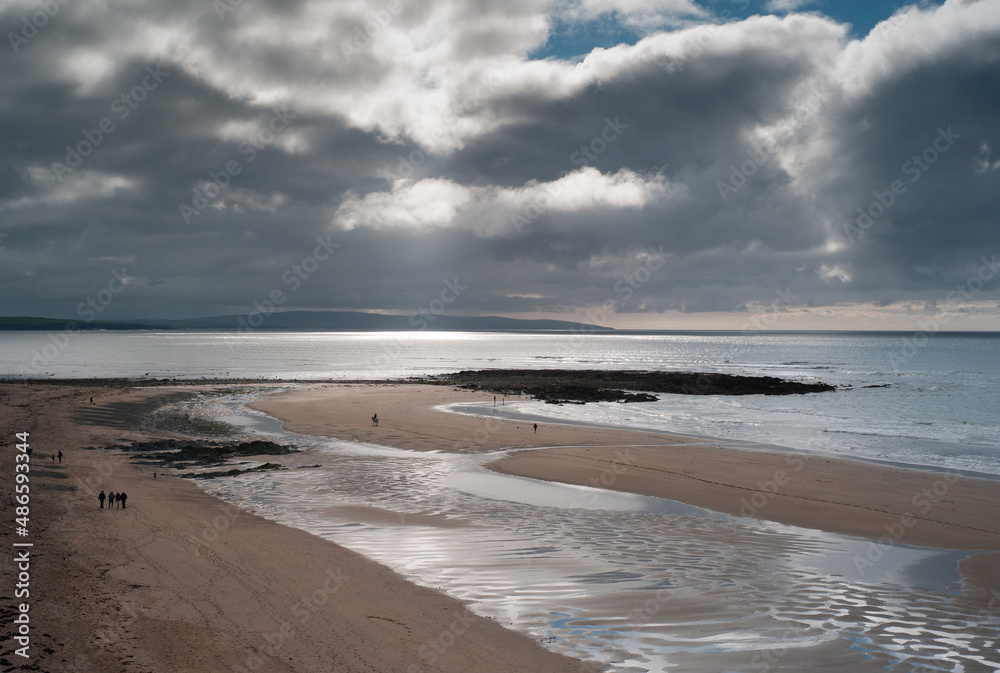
[844,496]
[180,581]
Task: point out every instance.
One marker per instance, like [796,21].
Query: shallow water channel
[628,582]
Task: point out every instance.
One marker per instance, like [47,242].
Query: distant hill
[314,321]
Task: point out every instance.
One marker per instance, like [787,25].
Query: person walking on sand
[118,499]
[536,427]
[375,420]
[60,457]
[124,498]
[101,498]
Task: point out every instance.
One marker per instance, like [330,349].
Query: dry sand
[180,581]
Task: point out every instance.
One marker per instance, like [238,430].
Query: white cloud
[914,37]
[787,5]
[72,189]
[497,211]
[640,14]
[427,203]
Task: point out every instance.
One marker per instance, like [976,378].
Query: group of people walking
[113,499]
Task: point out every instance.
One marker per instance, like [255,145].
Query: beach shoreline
[920,507]
[181,580]
[188,581]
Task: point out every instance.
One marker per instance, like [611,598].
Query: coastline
[180,580]
[134,595]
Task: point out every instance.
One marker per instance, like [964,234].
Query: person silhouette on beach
[124,498]
[536,427]
[101,498]
[60,457]
[118,499]
[53,457]
[375,420]
[154,475]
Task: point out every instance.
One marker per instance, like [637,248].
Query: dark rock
[560,386]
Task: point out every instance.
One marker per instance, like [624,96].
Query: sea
[623,582]
[902,398]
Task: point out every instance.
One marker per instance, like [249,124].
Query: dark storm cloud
[417,138]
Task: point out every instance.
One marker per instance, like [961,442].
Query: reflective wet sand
[631,582]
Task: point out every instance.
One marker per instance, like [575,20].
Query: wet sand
[838,495]
[180,581]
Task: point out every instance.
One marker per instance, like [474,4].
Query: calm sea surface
[929,402]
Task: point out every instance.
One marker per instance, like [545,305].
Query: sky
[659,164]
